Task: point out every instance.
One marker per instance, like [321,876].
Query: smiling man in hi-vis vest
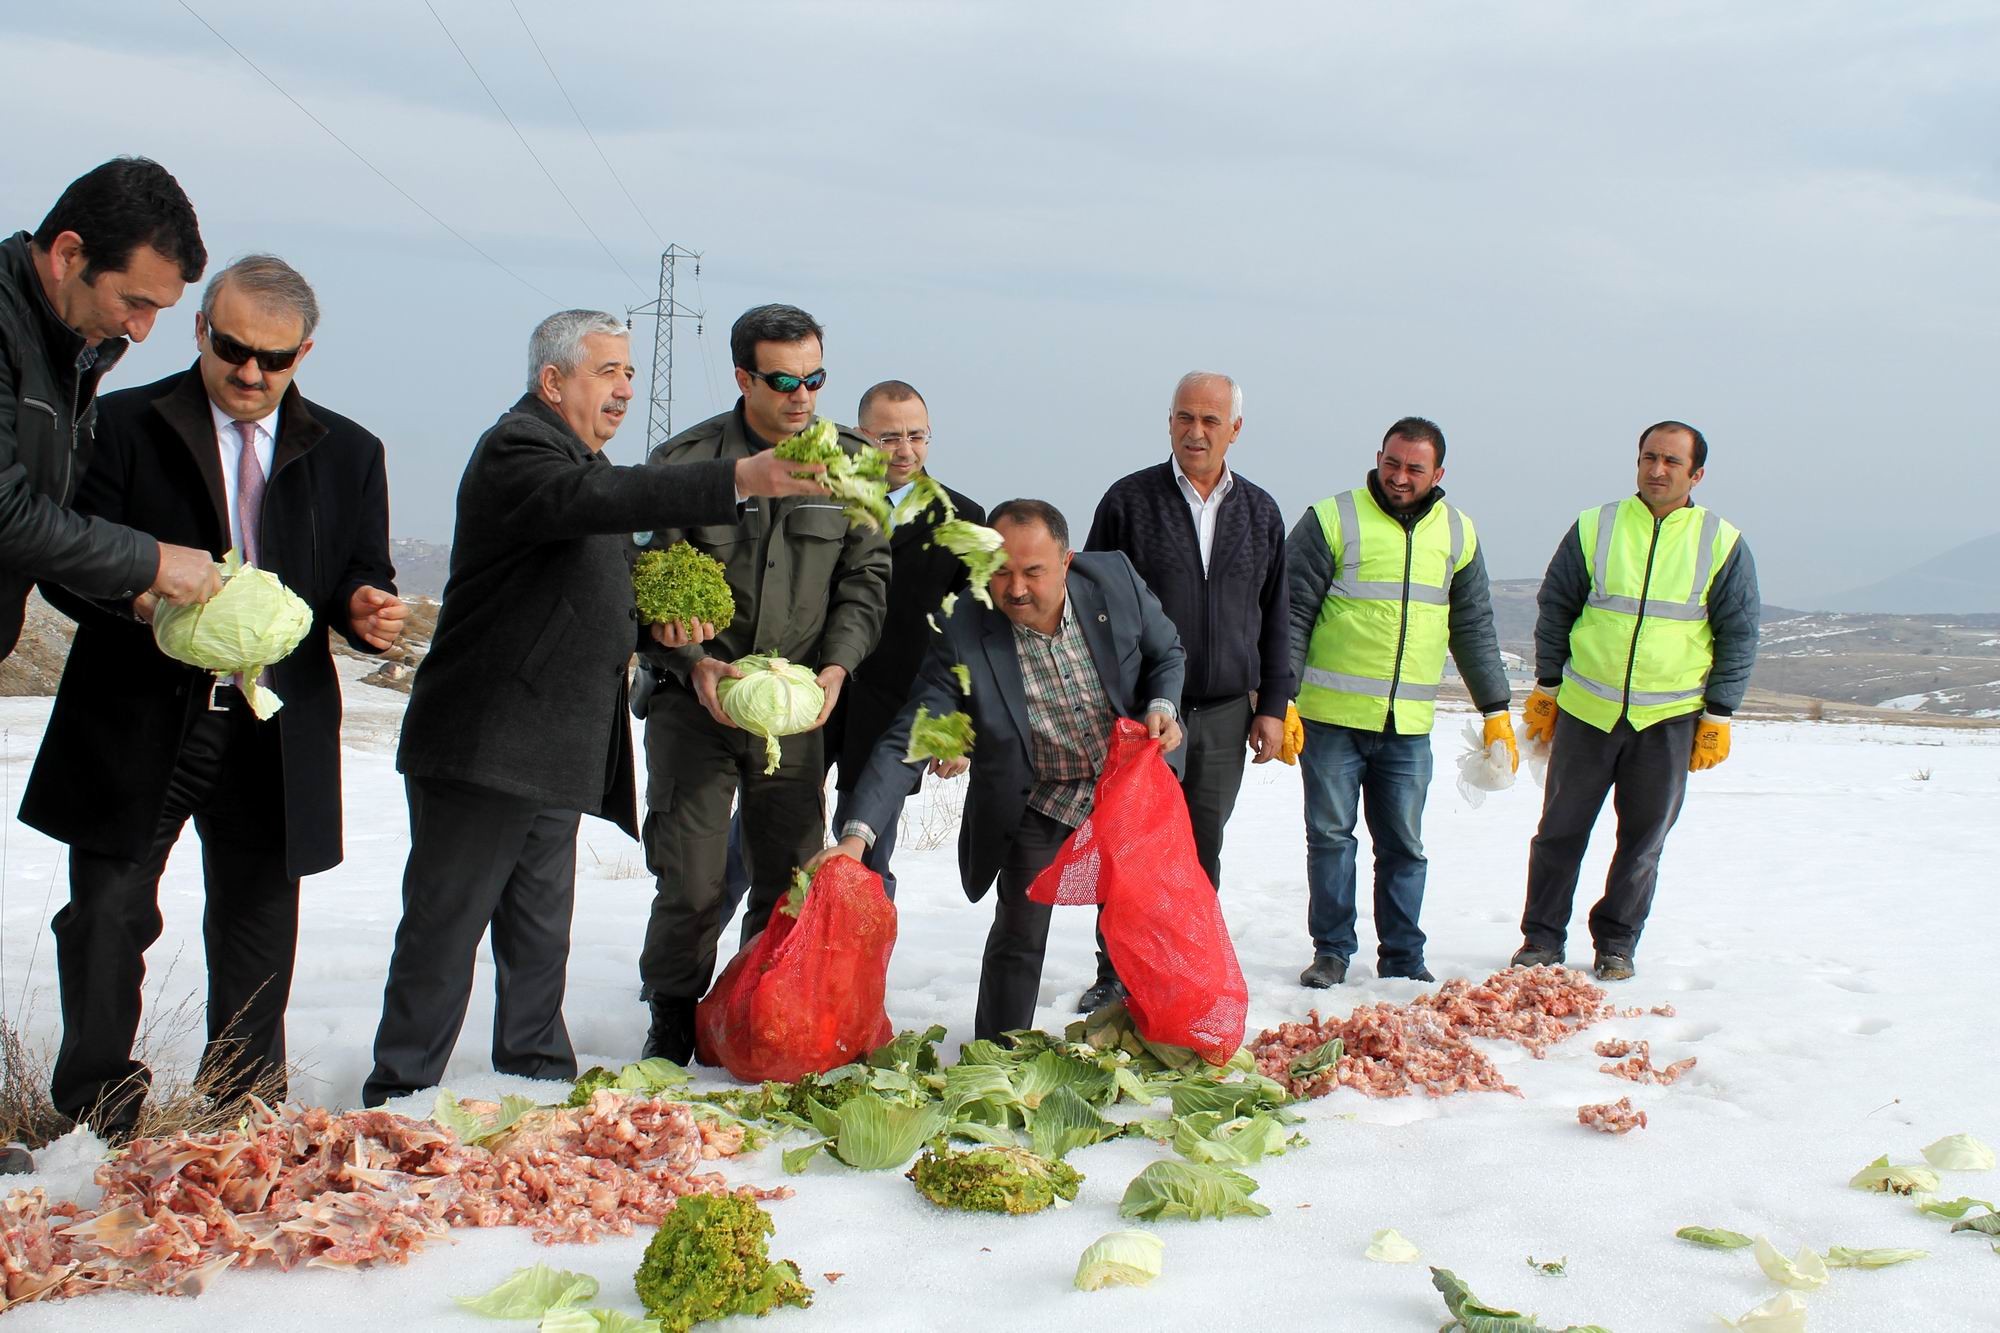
[1384,579]
[1643,645]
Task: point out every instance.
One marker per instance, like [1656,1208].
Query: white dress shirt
[231,445]
[1203,511]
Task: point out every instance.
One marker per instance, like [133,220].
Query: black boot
[671,1036]
[1108,990]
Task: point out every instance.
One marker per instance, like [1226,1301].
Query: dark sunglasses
[236,353]
[784,383]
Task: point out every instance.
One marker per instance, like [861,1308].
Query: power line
[419,205]
[586,128]
[525,144]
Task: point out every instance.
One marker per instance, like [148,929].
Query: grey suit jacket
[1139,659]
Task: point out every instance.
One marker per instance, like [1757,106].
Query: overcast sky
[1543,225]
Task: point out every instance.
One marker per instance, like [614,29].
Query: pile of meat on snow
[1392,1050]
[302,1185]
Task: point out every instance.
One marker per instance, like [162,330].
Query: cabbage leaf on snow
[1120,1259]
[1191,1191]
[1959,1152]
[1878,1175]
[531,1293]
[1840,1256]
[1783,1313]
[1715,1238]
[1805,1271]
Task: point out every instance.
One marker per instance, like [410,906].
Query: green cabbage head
[772,698]
[254,621]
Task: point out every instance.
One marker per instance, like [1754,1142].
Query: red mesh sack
[806,994]
[1162,923]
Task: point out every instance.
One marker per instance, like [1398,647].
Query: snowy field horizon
[1826,908]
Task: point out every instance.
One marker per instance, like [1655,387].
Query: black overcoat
[523,690]
[124,708]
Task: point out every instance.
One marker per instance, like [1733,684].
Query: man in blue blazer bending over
[1071,643]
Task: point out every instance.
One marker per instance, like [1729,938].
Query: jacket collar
[64,343]
[531,405]
[183,405]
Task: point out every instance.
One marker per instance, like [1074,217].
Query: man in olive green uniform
[1643,647]
[810,588]
[1384,579]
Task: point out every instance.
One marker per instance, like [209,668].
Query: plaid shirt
[1069,718]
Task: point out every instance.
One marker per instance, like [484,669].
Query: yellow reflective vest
[1380,639]
[1642,647]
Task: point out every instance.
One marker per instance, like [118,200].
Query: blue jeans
[1388,775]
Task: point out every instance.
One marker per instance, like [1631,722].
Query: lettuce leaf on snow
[869,1133]
[1065,1121]
[1806,1271]
[1842,1257]
[1212,1139]
[1783,1313]
[1953,1208]
[472,1129]
[1715,1238]
[531,1293]
[1878,1175]
[1959,1152]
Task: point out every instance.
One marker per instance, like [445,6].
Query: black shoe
[15,1160]
[671,1036]
[1532,955]
[1422,973]
[1613,967]
[1326,970]
[1108,990]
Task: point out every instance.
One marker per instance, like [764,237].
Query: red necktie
[249,493]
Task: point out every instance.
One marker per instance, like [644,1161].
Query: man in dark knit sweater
[1211,546]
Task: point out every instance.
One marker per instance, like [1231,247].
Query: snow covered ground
[1828,928]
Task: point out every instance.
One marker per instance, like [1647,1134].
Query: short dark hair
[1033,511]
[1418,430]
[889,391]
[1700,440]
[769,324]
[118,207]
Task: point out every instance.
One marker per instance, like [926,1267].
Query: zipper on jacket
[1645,588]
[1403,625]
[75,428]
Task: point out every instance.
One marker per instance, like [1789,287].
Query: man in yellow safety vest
[1384,579]
[1643,647]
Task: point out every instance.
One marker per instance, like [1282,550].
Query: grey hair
[558,340]
[272,283]
[1194,377]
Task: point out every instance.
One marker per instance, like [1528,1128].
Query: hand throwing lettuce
[860,478]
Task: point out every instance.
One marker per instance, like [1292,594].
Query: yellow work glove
[1538,716]
[1500,727]
[1711,743]
[1294,742]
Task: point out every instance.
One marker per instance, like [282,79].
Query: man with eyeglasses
[809,587]
[225,455]
[120,245]
[894,415]
[1210,544]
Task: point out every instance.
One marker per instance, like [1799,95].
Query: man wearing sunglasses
[227,455]
[809,587]
[120,245]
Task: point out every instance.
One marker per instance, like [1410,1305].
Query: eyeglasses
[917,439]
[784,383]
[236,353]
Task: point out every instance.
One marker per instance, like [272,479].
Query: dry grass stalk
[935,822]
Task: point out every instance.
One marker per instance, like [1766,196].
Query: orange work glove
[1711,743]
[1500,727]
[1294,743]
[1538,716]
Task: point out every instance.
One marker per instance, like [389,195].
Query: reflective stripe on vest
[1644,657]
[1379,642]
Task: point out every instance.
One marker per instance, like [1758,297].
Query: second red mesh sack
[806,994]
[1162,924]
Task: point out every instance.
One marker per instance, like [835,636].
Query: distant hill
[420,567]
[1959,582]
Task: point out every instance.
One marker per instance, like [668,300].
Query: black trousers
[1010,973]
[694,768]
[1646,773]
[1216,737]
[230,780]
[479,859]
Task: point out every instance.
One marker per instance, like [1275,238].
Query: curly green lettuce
[681,584]
[948,737]
[708,1261]
[993,1180]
